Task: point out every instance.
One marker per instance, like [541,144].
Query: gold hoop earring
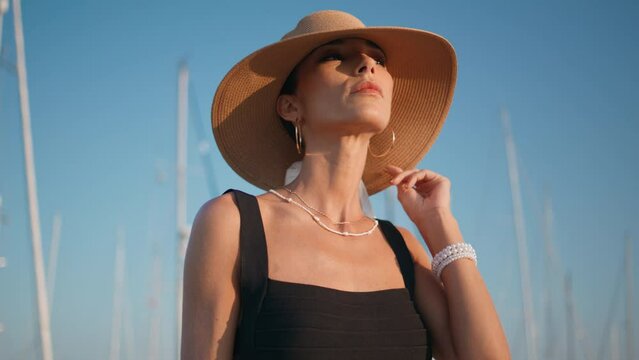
[298,138]
[385,152]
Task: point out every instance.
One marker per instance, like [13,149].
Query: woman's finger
[428,176]
[424,179]
[417,176]
[392,169]
[398,179]
[419,181]
[399,175]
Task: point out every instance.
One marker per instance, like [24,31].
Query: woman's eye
[380,60]
[331,57]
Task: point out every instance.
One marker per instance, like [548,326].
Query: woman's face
[343,85]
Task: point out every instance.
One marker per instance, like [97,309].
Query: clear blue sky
[102,79]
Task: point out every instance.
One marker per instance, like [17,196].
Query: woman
[304,271]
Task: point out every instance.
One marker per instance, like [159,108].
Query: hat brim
[253,142]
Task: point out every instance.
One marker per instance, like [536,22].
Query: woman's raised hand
[420,191]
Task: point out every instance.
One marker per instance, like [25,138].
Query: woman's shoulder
[228,198]
[217,219]
[223,204]
[223,210]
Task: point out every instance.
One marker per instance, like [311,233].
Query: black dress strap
[253,272]
[405,260]
[397,243]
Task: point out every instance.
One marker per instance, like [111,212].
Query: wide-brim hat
[249,132]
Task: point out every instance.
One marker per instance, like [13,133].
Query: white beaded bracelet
[451,253]
[451,250]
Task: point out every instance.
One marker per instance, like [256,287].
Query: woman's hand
[470,318]
[420,191]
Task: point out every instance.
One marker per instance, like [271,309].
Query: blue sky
[102,80]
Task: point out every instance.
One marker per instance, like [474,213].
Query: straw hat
[253,141]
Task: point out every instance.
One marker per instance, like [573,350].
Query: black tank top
[284,320]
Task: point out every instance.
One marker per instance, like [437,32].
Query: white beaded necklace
[320,223]
[321,212]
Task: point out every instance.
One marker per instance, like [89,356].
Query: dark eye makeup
[332,56]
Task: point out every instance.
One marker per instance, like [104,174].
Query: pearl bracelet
[451,253]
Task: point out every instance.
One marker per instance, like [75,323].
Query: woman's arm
[211,282]
[458,309]
[430,299]
[474,323]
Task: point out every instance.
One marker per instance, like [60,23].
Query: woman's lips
[367,87]
[368,91]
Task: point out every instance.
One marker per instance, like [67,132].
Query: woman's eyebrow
[335,43]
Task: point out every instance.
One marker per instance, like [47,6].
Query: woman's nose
[367,64]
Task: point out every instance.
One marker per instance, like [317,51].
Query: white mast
[182,228]
[118,295]
[630,340]
[553,265]
[4,7]
[34,215]
[614,343]
[550,269]
[3,260]
[571,328]
[520,232]
[204,147]
[154,305]
[155,299]
[53,256]
[127,324]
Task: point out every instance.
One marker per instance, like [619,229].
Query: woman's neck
[330,176]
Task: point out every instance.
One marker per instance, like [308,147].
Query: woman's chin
[374,118]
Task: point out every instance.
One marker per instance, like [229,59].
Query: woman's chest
[306,253]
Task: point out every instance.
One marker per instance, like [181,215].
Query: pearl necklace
[321,212]
[319,222]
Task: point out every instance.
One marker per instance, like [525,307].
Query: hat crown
[325,20]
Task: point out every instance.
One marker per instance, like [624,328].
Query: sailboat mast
[570,319]
[155,306]
[53,256]
[4,7]
[3,260]
[182,229]
[520,232]
[34,213]
[118,295]
[614,343]
[548,271]
[630,340]
[204,148]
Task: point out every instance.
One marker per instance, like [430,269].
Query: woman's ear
[288,107]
